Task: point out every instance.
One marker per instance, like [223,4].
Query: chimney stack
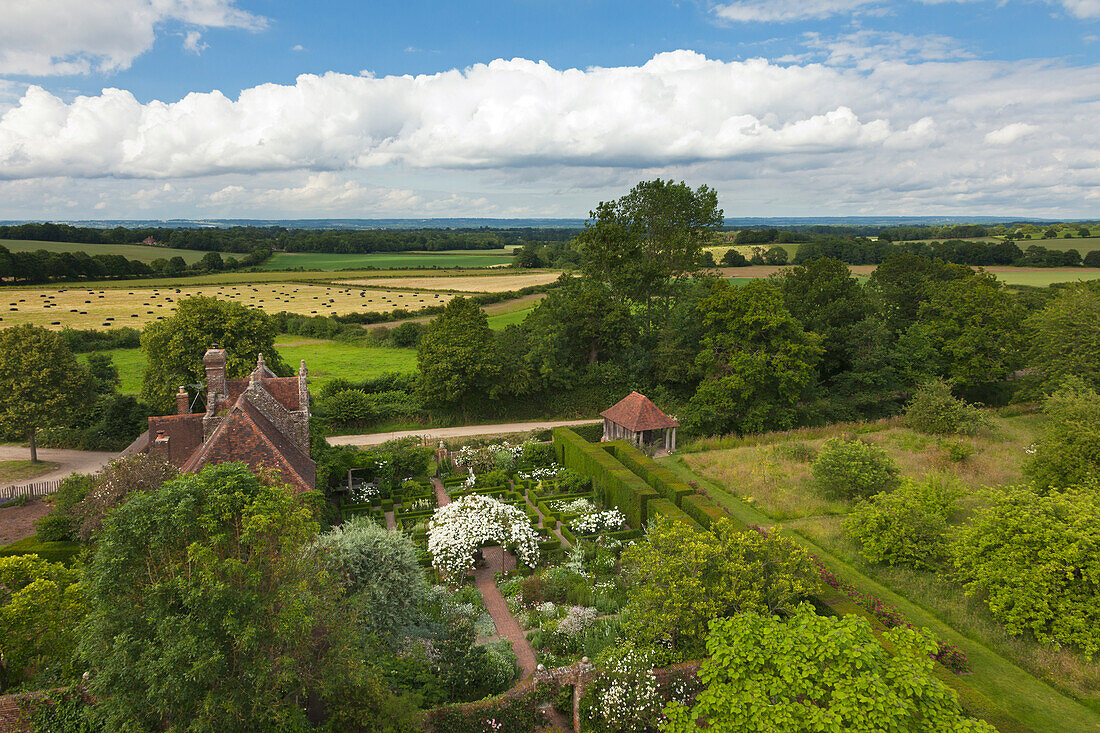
[183,402]
[214,361]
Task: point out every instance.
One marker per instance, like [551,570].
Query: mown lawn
[326,360]
[24,470]
[766,480]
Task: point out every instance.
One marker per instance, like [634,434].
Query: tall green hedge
[614,483]
[704,511]
[665,508]
[660,478]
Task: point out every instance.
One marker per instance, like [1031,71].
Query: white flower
[459,528]
[608,521]
[576,620]
[573,506]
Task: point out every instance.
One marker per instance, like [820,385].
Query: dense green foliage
[907,526]
[1068,450]
[205,613]
[1064,338]
[682,577]
[758,362]
[41,603]
[853,469]
[1033,561]
[175,346]
[814,673]
[456,356]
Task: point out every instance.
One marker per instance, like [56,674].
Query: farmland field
[326,360]
[388,260]
[89,308]
[1034,276]
[485,283]
[142,252]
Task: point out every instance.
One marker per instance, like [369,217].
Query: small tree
[814,673]
[41,382]
[682,577]
[852,469]
[907,526]
[934,410]
[456,356]
[1068,451]
[1032,558]
[379,571]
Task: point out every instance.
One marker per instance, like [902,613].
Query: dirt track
[459,432]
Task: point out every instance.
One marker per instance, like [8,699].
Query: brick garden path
[485,581]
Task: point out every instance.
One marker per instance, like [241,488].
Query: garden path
[485,581]
[391,523]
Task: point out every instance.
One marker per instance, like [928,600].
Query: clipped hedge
[703,510]
[665,508]
[516,711]
[615,484]
[660,478]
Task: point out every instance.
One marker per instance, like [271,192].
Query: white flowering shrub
[624,696]
[363,494]
[479,460]
[573,506]
[455,531]
[608,521]
[542,474]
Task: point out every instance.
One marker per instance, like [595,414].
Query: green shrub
[1032,559]
[54,528]
[571,482]
[934,410]
[959,451]
[796,450]
[907,526]
[852,469]
[1068,451]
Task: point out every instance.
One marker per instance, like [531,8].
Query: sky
[154,109]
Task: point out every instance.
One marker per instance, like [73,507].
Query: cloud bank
[851,127]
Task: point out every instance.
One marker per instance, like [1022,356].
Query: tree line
[41,265]
[246,239]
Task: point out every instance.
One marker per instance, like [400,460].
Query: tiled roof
[636,412]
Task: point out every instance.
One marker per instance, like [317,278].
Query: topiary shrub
[852,469]
[934,410]
[907,526]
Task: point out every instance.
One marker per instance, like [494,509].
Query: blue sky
[192,108]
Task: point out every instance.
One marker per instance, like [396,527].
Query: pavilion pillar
[673,440]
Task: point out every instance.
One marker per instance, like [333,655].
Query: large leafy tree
[207,612]
[817,673]
[1064,338]
[758,362]
[574,326]
[682,577]
[457,356]
[826,299]
[41,382]
[975,326]
[1033,559]
[903,281]
[645,242]
[175,346]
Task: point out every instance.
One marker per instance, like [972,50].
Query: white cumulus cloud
[46,37]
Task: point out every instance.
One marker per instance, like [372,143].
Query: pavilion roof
[636,412]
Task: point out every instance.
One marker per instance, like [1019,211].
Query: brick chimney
[159,448]
[214,361]
[183,402]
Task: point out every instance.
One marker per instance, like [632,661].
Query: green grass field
[498,321]
[388,260]
[141,252]
[326,360]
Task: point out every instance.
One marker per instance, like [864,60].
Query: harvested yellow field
[465,284]
[111,307]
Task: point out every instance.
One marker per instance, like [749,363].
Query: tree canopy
[456,356]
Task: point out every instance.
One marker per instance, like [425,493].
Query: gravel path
[432,434]
[69,461]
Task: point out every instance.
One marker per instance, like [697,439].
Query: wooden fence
[37,488]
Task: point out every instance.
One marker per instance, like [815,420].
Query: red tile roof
[636,412]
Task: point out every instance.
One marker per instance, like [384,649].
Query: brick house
[262,420]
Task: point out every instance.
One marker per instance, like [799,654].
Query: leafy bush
[907,526]
[1032,558]
[1068,452]
[349,407]
[751,688]
[624,696]
[796,450]
[54,528]
[934,410]
[571,482]
[959,451]
[851,469]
